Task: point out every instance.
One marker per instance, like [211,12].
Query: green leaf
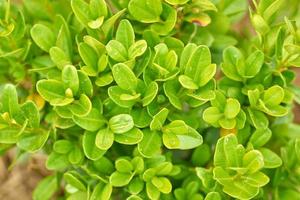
[70,78]
[260,137]
[125,34]
[42,36]
[75,156]
[10,135]
[118,179]
[271,159]
[104,139]
[241,190]
[98,8]
[232,108]
[62,146]
[45,188]
[257,179]
[81,10]
[187,82]
[150,93]
[137,49]
[212,115]
[73,179]
[85,84]
[91,122]
[162,184]
[151,143]
[181,139]
[258,118]
[89,57]
[130,137]
[53,91]
[152,191]
[101,191]
[121,123]
[110,22]
[124,77]
[228,152]
[123,166]
[146,11]
[90,149]
[115,93]
[64,39]
[253,64]
[213,196]
[33,141]
[56,161]
[81,107]
[253,161]
[9,100]
[159,119]
[59,57]
[231,57]
[273,95]
[116,51]
[227,123]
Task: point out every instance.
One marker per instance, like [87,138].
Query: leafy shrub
[153,99]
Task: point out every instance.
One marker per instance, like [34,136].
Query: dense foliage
[153,99]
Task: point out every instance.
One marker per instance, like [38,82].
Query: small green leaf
[260,137]
[90,149]
[9,100]
[253,64]
[159,119]
[124,77]
[70,78]
[118,179]
[187,82]
[51,90]
[162,184]
[104,139]
[130,137]
[253,160]
[81,107]
[212,115]
[146,11]
[102,191]
[81,10]
[91,122]
[232,108]
[45,188]
[137,49]
[150,93]
[89,57]
[116,51]
[42,36]
[273,95]
[121,123]
[151,143]
[62,146]
[123,166]
[73,179]
[271,159]
[231,57]
[33,141]
[125,33]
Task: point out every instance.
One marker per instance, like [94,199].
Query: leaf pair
[225,113]
[235,67]
[90,15]
[124,48]
[156,182]
[64,153]
[238,170]
[130,89]
[60,93]
[269,101]
[126,171]
[120,128]
[176,134]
